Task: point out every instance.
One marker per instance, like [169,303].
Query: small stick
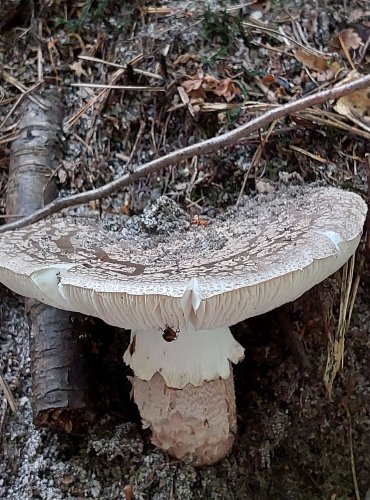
[352,455]
[40,69]
[256,158]
[119,87]
[18,101]
[115,65]
[200,148]
[13,81]
[3,416]
[8,394]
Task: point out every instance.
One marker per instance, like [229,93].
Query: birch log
[61,398]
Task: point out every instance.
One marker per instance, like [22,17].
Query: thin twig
[200,148]
[40,69]
[119,87]
[8,394]
[262,27]
[13,81]
[18,101]
[102,95]
[3,416]
[256,158]
[137,140]
[352,455]
[326,118]
[115,65]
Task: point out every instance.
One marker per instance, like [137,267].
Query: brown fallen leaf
[185,58]
[198,87]
[268,79]
[193,110]
[358,101]
[326,67]
[356,105]
[312,61]
[347,38]
[66,480]
[195,87]
[227,89]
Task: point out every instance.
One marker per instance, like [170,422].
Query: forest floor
[206,68]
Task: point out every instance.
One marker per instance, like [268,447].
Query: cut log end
[196,424]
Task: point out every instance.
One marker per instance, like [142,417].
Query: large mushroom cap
[193,280]
[243,264]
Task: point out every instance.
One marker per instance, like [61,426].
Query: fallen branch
[62,393]
[200,148]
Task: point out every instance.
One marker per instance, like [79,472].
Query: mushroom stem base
[197,424]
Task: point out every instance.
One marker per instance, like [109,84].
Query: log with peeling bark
[60,381]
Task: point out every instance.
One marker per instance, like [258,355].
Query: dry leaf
[326,68]
[191,85]
[330,73]
[194,88]
[183,95]
[209,83]
[358,101]
[186,100]
[349,38]
[315,62]
[355,105]
[78,69]
[268,79]
[66,480]
[278,81]
[185,58]
[227,89]
[198,87]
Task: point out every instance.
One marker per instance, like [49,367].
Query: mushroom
[180,290]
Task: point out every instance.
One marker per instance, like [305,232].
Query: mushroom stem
[194,357]
[184,390]
[195,423]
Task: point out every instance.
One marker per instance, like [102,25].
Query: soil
[219,64]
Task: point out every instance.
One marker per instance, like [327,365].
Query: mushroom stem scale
[197,423]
